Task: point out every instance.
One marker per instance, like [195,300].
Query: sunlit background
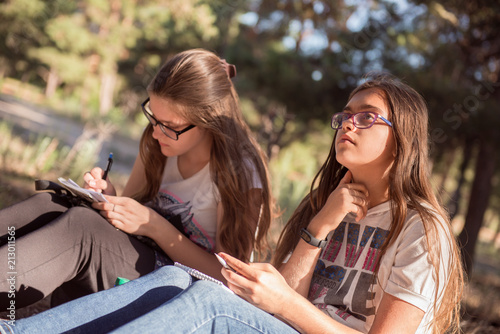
[73,75]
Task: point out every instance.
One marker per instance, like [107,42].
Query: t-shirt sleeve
[412,277]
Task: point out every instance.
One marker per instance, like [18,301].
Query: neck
[193,161]
[377,185]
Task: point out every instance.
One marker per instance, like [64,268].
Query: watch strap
[312,240]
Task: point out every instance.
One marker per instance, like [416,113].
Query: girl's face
[368,150]
[194,142]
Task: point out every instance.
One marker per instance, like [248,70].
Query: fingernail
[92,183]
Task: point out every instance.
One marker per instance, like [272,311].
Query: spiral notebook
[199,275]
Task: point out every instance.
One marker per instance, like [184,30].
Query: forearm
[307,318]
[298,270]
[181,249]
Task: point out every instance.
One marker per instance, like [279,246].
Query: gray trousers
[47,245]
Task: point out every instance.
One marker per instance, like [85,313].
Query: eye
[345,116]
[367,116]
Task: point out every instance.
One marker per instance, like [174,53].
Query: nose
[348,124]
[157,133]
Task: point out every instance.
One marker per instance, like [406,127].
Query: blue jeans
[165,301]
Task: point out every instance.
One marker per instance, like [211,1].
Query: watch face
[305,236]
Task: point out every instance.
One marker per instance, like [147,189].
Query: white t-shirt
[194,200]
[343,285]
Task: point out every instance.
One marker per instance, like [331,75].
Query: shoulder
[433,224]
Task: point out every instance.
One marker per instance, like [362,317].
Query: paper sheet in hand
[87,194]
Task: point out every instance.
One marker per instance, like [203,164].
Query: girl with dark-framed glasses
[199,185]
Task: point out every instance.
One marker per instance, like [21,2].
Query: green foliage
[70,67]
[68,34]
[296,63]
[35,156]
[293,171]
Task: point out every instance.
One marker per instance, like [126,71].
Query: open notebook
[86,194]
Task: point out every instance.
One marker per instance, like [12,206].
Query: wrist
[151,228]
[288,313]
[318,229]
[309,238]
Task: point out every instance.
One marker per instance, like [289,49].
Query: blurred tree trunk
[479,198]
[448,156]
[108,83]
[52,83]
[454,203]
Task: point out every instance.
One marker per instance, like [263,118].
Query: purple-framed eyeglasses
[168,131]
[361,120]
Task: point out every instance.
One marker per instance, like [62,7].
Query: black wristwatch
[311,240]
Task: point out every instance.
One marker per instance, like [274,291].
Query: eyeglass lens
[361,120]
[167,131]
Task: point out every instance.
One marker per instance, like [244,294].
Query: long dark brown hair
[409,188]
[198,82]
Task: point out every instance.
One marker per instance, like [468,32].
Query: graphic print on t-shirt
[338,280]
[169,207]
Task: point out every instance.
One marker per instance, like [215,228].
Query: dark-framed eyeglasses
[361,120]
[169,132]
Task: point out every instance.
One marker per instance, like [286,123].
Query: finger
[347,178]
[110,207]
[360,213]
[118,200]
[87,177]
[93,179]
[238,291]
[97,173]
[358,197]
[107,209]
[116,223]
[355,187]
[99,205]
[235,281]
[359,208]
[240,267]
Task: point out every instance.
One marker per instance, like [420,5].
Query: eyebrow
[364,107]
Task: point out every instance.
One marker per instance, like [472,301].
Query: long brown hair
[197,81]
[409,188]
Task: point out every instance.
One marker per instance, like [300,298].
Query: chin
[343,161]
[167,152]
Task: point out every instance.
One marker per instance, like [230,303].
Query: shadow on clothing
[140,306]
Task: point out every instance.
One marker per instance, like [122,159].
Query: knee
[212,293]
[85,224]
[170,276]
[84,218]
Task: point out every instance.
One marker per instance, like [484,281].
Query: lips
[162,144]
[344,139]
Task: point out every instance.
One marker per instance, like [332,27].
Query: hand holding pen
[97,180]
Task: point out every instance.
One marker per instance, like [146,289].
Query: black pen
[108,167]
